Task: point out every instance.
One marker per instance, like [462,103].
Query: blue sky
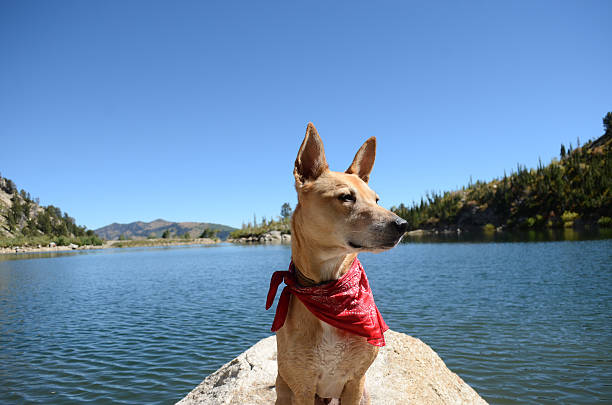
[120,111]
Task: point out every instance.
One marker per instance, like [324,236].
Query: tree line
[574,190]
[282,223]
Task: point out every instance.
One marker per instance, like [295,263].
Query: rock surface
[406,371]
[272,237]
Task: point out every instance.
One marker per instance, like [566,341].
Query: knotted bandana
[346,303]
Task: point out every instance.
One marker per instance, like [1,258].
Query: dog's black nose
[401,225]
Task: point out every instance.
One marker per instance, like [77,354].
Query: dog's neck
[316,263]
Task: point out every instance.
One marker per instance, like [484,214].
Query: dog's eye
[377,200]
[347,198]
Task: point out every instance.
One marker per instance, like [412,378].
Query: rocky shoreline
[52,247]
[272,237]
[406,371]
[49,248]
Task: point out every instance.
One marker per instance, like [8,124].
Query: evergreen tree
[286,211]
[607,123]
[209,233]
[43,223]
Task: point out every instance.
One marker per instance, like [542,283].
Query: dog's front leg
[298,395]
[353,393]
[283,392]
[303,398]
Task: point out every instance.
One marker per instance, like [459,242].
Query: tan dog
[337,216]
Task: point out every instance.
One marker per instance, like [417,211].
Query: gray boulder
[270,237]
[406,371]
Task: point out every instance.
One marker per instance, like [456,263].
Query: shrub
[527,223]
[489,228]
[569,216]
[605,222]
[62,241]
[87,240]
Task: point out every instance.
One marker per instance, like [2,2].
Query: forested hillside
[23,221]
[574,190]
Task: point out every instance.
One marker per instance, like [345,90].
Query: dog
[337,217]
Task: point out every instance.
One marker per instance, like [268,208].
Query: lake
[519,322]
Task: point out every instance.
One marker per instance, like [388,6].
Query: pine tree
[286,211]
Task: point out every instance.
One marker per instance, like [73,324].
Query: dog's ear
[364,160]
[310,162]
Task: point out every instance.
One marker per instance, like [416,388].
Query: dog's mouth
[354,245]
[362,247]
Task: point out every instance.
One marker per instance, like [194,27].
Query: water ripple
[519,322]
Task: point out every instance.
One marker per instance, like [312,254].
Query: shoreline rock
[272,237]
[406,371]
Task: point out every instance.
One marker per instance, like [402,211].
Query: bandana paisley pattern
[346,303]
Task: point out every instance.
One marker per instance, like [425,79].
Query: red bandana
[346,303]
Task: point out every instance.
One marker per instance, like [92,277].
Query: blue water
[520,322]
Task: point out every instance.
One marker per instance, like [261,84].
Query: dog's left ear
[364,160]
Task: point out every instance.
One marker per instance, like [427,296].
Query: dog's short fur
[337,217]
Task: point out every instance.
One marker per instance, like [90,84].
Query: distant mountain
[142,230]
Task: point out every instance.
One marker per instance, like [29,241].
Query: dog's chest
[340,357]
